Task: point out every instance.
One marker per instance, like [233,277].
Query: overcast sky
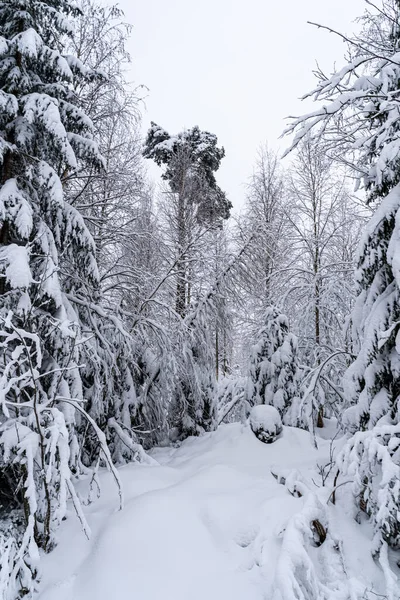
[235,68]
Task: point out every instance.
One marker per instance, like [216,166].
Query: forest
[147,328]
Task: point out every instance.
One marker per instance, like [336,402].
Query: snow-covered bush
[18,573]
[193,400]
[321,394]
[296,577]
[40,449]
[265,423]
[273,377]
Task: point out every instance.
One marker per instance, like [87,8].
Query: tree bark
[180,305]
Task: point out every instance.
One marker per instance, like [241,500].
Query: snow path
[203,524]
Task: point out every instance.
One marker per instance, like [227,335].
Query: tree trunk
[216,353]
[320,417]
[180,305]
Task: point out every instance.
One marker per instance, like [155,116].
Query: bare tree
[264,209]
[325,227]
[110,200]
[259,281]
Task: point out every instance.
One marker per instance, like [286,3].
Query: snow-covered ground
[210,522]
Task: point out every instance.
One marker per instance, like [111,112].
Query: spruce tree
[273,377]
[46,252]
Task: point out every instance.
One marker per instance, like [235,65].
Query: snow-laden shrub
[372,460]
[321,394]
[265,423]
[18,572]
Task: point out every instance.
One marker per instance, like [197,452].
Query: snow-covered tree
[358,121]
[110,201]
[324,229]
[273,377]
[363,95]
[196,202]
[224,318]
[265,211]
[192,389]
[372,460]
[320,291]
[116,207]
[46,255]
[302,257]
[193,407]
[260,282]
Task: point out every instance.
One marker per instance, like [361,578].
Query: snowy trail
[203,524]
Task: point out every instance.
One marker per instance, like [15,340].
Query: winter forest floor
[209,521]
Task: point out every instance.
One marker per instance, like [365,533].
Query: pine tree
[191,159]
[273,377]
[202,158]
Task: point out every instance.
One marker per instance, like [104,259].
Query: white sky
[235,68]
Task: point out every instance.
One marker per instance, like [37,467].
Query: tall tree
[113,203]
[265,211]
[320,207]
[190,159]
[261,279]
[46,253]
[110,200]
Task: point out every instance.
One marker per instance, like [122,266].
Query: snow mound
[265,423]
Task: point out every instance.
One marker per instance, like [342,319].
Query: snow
[29,43]
[265,417]
[44,109]
[15,206]
[209,520]
[17,271]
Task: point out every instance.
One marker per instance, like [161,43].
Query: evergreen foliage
[47,255]
[372,460]
[273,377]
[191,159]
[369,104]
